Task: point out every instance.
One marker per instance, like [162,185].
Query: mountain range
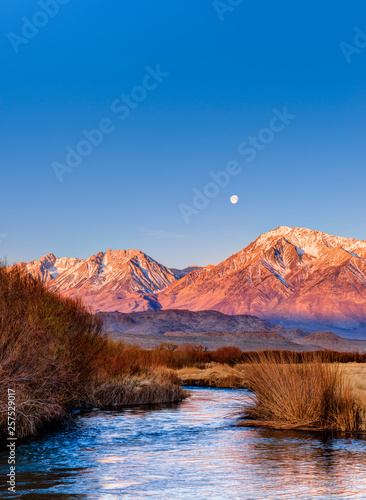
[295,277]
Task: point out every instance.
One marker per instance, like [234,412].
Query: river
[190,450]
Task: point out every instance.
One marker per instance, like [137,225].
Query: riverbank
[343,392]
[214,375]
[161,386]
[54,358]
[307,396]
[233,377]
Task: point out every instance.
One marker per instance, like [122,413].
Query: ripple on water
[187,451]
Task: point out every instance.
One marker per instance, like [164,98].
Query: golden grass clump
[213,375]
[155,387]
[311,394]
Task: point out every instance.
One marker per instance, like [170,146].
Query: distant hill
[332,342]
[213,329]
[206,322]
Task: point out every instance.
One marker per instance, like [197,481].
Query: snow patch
[53,271]
[103,270]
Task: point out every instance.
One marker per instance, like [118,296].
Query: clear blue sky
[225,78]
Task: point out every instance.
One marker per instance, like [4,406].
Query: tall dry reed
[311,394]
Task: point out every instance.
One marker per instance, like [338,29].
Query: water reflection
[310,465]
[188,451]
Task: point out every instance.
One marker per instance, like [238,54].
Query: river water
[190,450]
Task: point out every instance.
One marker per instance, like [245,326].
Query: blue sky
[226,69]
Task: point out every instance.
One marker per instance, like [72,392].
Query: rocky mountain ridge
[292,276]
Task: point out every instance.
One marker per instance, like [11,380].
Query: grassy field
[356,374]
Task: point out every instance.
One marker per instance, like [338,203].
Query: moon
[234,199]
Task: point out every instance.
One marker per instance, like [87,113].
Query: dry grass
[356,374]
[128,375]
[212,375]
[55,357]
[311,395]
[161,386]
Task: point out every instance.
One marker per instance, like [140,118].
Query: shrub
[228,355]
[132,359]
[161,385]
[310,394]
[48,351]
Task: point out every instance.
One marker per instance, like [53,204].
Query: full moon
[234,199]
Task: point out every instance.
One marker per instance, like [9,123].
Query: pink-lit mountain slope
[292,276]
[103,278]
[296,277]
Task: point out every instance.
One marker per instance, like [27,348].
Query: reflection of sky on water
[188,451]
[297,465]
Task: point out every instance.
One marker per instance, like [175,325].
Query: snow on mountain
[111,274]
[293,276]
